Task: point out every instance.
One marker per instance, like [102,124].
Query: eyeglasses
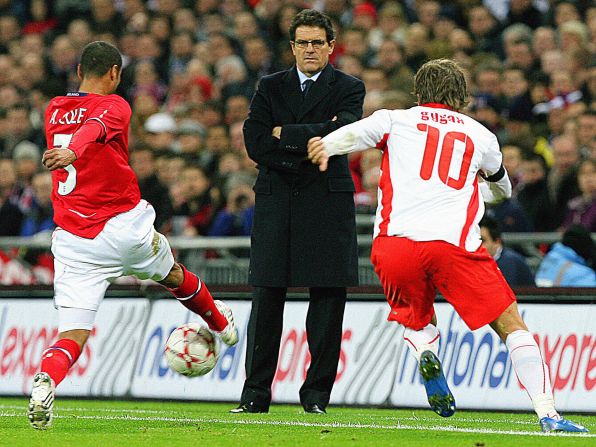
[303,44]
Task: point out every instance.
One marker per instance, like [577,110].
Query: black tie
[307,85]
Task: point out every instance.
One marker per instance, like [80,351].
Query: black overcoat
[304,230]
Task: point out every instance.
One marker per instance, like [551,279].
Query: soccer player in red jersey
[426,234]
[104,228]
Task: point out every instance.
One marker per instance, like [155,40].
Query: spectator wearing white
[160,131]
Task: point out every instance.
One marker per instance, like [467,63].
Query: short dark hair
[312,17]
[493,227]
[579,239]
[98,57]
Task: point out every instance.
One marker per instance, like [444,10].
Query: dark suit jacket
[304,230]
[157,195]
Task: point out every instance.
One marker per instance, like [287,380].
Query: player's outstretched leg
[229,335]
[531,370]
[195,296]
[55,363]
[424,345]
[41,404]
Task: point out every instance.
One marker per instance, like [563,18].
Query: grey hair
[517,32]
[233,63]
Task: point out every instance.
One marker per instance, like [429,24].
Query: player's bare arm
[58,158]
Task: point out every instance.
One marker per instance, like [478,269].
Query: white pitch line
[456,419]
[362,415]
[103,410]
[447,428]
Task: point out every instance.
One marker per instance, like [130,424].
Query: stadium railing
[224,260]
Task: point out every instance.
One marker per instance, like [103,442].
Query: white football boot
[230,334]
[41,405]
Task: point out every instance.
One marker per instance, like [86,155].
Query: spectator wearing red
[41,21]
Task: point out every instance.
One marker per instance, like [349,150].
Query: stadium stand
[191,68]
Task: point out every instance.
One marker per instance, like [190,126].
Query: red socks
[195,296]
[57,359]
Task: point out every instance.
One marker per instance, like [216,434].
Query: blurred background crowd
[191,68]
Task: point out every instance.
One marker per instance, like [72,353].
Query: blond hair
[441,81]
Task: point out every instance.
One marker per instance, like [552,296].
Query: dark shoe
[249,408]
[439,395]
[314,409]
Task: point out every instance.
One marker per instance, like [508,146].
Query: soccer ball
[191,350]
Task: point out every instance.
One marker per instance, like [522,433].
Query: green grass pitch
[80,423]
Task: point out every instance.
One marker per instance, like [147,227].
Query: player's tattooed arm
[58,158]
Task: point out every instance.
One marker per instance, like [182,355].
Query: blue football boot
[439,396]
[549,425]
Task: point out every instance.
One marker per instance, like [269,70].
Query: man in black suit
[304,229]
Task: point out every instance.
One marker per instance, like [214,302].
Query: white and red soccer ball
[192,350]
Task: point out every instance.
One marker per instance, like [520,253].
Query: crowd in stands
[191,68]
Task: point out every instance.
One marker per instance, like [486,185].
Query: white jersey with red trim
[428,189]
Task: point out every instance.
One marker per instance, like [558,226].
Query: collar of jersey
[76,94]
[436,105]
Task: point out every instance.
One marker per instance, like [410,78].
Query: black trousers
[323,331]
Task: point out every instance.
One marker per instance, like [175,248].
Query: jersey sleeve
[492,160]
[108,119]
[113,114]
[366,133]
[497,186]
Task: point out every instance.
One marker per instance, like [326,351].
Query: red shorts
[410,272]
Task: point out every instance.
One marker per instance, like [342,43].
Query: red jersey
[100,183]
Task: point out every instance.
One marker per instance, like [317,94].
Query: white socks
[526,359]
[532,372]
[426,339]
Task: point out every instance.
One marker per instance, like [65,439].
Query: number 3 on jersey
[65,188]
[430,154]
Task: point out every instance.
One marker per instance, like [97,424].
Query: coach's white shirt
[428,189]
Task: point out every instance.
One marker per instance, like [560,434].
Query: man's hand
[276,132]
[317,153]
[58,158]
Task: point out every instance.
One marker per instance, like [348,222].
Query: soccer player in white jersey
[437,166]
[104,228]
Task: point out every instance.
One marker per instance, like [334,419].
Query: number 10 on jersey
[433,137]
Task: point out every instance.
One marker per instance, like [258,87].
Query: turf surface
[80,423]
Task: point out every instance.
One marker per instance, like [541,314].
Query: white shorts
[70,318]
[128,245]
